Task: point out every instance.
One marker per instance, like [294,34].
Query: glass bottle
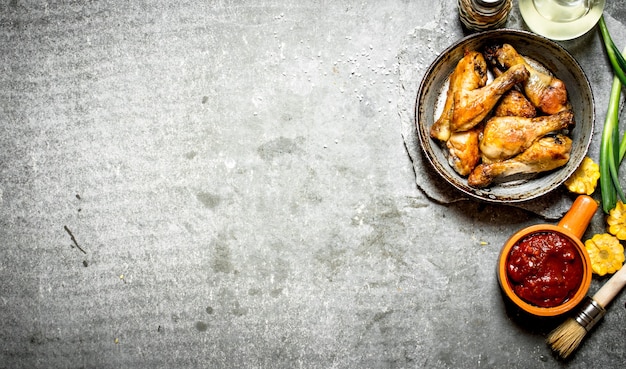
[561,19]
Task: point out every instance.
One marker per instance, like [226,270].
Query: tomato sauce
[545,269]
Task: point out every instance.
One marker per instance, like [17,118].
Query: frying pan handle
[579,215]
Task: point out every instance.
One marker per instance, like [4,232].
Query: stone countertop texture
[234,184]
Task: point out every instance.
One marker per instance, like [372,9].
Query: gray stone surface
[228,184]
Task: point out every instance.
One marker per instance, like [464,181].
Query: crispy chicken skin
[463,150]
[469,99]
[546,92]
[440,130]
[505,137]
[548,153]
[471,107]
[470,73]
[515,104]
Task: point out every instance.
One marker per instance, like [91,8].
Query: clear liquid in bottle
[561,19]
[562,10]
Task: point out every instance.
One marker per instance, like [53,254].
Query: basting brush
[565,338]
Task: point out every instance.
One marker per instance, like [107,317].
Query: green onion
[615,57]
[609,181]
[611,150]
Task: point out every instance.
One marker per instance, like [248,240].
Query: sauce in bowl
[544,268]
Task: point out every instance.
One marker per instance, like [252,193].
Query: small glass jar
[482,15]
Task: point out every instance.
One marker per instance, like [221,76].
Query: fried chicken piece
[470,73]
[545,91]
[515,104]
[548,153]
[505,137]
[463,151]
[472,106]
[440,130]
[469,99]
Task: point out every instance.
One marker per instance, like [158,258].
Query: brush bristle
[565,338]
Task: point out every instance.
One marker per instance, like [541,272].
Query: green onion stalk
[612,151]
[618,62]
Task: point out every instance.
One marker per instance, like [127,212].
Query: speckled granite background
[232,184]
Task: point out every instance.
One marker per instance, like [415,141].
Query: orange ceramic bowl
[575,297]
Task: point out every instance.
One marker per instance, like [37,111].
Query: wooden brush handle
[611,288]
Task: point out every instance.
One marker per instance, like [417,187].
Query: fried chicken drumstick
[549,152]
[469,99]
[545,91]
[505,137]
